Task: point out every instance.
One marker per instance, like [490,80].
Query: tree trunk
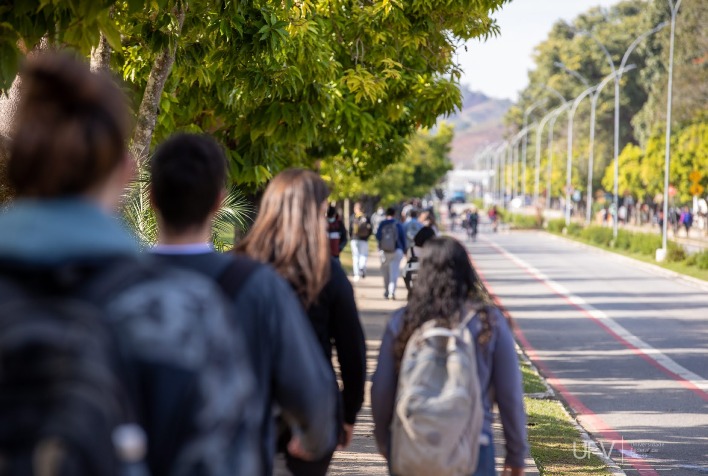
[9,103]
[149,107]
[101,55]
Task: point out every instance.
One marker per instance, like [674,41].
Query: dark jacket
[192,379]
[335,320]
[290,372]
[337,233]
[401,241]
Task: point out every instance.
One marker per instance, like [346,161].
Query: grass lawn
[552,434]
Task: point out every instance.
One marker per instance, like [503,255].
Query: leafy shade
[425,163]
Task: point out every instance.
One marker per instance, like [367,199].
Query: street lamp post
[569,171]
[617,72]
[549,168]
[661,254]
[591,156]
[527,112]
[539,136]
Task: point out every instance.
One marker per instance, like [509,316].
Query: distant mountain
[477,125]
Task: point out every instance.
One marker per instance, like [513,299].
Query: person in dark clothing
[336,231]
[284,234]
[192,384]
[188,175]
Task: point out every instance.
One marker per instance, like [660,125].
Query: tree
[616,27]
[426,162]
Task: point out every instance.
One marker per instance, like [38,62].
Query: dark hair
[390,212]
[188,172]
[70,131]
[446,283]
[413,213]
[331,212]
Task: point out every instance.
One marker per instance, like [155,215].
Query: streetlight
[591,157]
[539,133]
[527,112]
[516,158]
[569,171]
[617,78]
[661,254]
[555,116]
[571,115]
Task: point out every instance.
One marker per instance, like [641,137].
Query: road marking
[599,425]
[656,358]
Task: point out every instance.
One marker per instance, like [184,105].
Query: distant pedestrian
[686,219]
[392,243]
[360,231]
[289,233]
[494,218]
[188,177]
[411,226]
[447,298]
[336,231]
[377,218]
[472,223]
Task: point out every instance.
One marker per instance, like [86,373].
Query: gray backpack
[438,414]
[389,237]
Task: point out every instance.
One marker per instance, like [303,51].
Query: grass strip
[554,439]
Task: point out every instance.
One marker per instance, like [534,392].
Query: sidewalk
[362,458]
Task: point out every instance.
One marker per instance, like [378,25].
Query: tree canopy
[642,98]
[278,83]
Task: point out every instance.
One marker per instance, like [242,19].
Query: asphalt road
[625,346]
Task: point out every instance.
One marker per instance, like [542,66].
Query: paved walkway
[362,458]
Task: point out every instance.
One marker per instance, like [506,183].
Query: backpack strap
[236,273]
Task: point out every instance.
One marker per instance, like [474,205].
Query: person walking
[285,234]
[411,226]
[472,223]
[687,220]
[336,231]
[448,294]
[360,231]
[377,218]
[109,360]
[391,239]
[187,186]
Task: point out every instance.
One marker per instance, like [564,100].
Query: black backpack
[65,397]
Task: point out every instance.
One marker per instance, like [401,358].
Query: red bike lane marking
[601,427]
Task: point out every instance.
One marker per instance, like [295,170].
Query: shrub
[699,260]
[523,221]
[597,235]
[645,243]
[624,240]
[675,253]
[574,229]
[556,226]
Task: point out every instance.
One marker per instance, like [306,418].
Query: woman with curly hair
[447,290]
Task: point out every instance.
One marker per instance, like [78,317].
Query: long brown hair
[290,232]
[446,288]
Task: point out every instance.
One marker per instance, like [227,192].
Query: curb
[550,394]
[652,268]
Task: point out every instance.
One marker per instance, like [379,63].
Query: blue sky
[499,66]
